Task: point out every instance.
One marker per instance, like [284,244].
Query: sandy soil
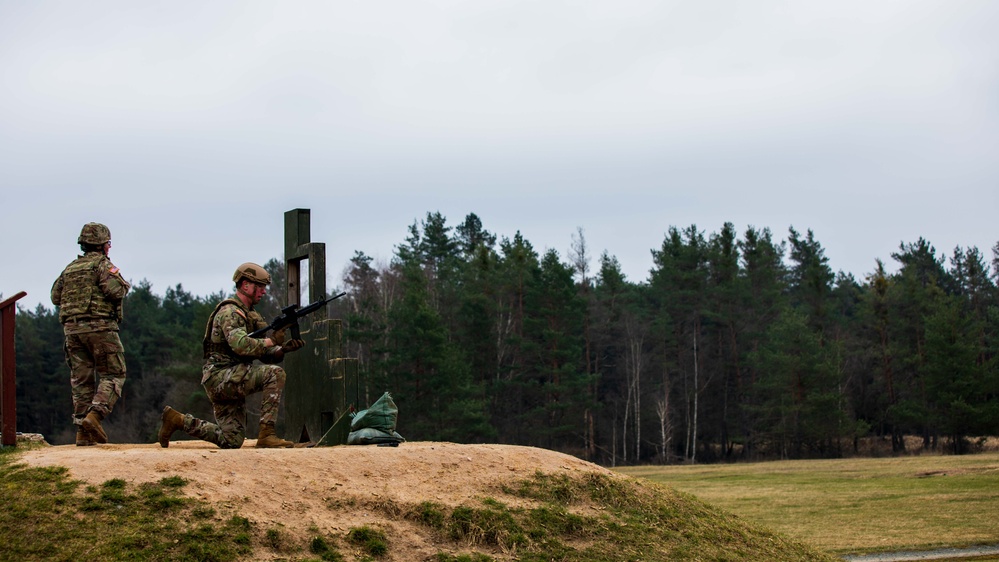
[328,490]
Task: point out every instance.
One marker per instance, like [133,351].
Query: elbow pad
[272,356]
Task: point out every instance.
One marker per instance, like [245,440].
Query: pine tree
[679,291]
[917,287]
[557,381]
[517,273]
[765,276]
[797,395]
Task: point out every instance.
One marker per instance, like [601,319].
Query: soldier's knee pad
[231,442]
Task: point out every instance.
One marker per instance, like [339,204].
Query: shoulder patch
[114,270]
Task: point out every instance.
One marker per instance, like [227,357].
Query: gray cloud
[181,124]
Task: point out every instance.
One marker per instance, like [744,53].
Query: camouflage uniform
[89,295]
[229,376]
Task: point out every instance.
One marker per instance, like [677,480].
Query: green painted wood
[322,385]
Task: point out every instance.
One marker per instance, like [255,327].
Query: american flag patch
[114,270]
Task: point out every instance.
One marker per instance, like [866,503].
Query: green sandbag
[381,416]
[372,436]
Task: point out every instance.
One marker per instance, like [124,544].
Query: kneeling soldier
[229,374]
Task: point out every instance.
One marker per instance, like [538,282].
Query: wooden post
[322,385]
[8,369]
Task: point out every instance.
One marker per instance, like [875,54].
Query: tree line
[734,347]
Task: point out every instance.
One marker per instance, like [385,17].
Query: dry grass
[855,505]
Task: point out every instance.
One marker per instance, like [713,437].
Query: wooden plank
[8,370]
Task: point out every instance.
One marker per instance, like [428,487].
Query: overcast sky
[189,128]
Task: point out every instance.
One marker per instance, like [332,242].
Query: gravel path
[926,554]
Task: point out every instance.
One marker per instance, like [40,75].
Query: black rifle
[289,317]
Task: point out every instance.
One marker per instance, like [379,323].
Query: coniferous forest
[738,346]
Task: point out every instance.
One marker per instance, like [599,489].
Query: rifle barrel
[316,305]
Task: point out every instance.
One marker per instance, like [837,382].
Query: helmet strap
[241,291]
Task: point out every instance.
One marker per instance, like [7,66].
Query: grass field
[854,505]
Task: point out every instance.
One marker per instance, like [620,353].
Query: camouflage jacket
[89,294]
[227,341]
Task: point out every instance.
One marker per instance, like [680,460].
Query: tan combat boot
[83,438]
[267,439]
[92,423]
[170,421]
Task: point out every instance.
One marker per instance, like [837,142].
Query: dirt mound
[294,489]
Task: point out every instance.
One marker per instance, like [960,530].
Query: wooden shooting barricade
[8,369]
[323,385]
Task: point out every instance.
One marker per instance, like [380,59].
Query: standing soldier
[89,295]
[230,375]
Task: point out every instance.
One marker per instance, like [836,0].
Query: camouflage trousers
[228,388]
[96,372]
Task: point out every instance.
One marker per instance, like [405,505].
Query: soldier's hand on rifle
[293,345]
[278,337]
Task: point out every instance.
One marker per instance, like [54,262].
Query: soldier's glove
[293,345]
[278,337]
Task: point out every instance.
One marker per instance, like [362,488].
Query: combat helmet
[94,233]
[253,272]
